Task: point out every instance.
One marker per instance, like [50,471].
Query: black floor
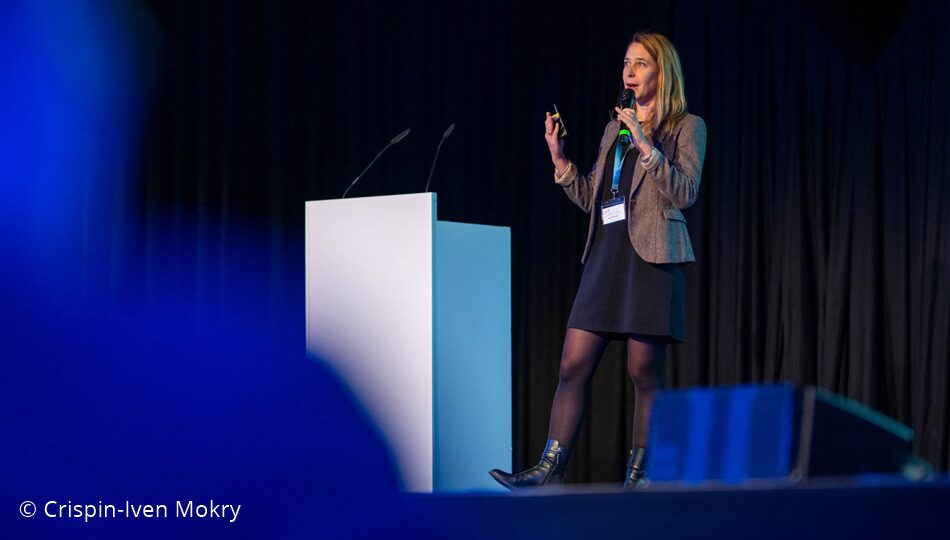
[880,507]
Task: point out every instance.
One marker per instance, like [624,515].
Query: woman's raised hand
[555,143]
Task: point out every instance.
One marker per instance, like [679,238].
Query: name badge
[613,210]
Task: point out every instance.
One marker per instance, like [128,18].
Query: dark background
[822,230]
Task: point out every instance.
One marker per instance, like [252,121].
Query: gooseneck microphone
[394,140]
[624,101]
[445,136]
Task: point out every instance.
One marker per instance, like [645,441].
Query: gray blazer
[668,183]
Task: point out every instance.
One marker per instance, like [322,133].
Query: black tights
[579,360]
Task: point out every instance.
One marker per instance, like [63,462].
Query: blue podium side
[472,360]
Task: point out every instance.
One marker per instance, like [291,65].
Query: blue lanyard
[619,155]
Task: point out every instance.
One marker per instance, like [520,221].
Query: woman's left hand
[629,117]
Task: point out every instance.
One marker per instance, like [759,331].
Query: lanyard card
[613,210]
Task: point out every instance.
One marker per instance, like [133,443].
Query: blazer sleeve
[579,187]
[678,179]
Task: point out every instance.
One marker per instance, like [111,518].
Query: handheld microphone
[445,136]
[624,101]
[393,141]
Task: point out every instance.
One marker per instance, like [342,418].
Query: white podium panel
[415,316]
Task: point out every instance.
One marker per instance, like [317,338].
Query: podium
[414,314]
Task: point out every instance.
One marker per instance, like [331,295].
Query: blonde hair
[670,105]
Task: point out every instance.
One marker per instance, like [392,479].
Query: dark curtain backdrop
[822,229]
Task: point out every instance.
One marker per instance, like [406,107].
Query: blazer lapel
[638,175]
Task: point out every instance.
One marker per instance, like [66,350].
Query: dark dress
[620,293]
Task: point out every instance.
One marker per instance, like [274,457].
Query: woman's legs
[645,366]
[579,360]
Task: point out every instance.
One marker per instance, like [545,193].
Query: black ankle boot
[549,471]
[635,477]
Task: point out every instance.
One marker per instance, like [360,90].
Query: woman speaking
[648,169]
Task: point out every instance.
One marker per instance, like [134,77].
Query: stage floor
[867,507]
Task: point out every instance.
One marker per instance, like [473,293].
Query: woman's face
[640,73]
